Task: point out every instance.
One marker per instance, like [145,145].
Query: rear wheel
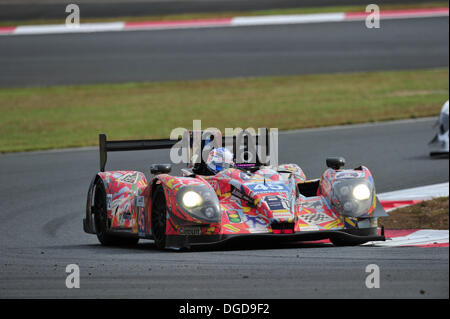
[159,211]
[101,221]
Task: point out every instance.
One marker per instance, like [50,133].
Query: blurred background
[51,9]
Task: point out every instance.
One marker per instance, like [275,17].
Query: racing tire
[101,222]
[159,211]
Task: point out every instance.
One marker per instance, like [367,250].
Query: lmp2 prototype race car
[439,145]
[239,202]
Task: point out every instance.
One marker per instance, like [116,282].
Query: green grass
[189,16]
[70,116]
[430,214]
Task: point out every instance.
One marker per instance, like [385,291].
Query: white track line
[226,22]
[288,19]
[83,28]
[418,238]
[417,193]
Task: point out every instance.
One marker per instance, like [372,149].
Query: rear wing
[106,146]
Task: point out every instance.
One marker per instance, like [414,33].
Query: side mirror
[160,168]
[335,162]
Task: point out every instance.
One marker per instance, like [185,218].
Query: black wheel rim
[100,210]
[159,216]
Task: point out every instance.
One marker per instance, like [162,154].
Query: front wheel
[159,211]
[101,222]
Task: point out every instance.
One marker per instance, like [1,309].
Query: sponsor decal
[279,214]
[237,193]
[267,187]
[125,217]
[140,201]
[315,204]
[255,222]
[309,228]
[191,231]
[231,228]
[233,217]
[141,223]
[333,224]
[349,174]
[317,218]
[108,201]
[129,178]
[244,176]
[275,203]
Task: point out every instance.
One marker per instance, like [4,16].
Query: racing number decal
[264,188]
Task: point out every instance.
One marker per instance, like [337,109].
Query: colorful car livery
[242,203]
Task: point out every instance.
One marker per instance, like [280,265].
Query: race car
[439,145]
[239,203]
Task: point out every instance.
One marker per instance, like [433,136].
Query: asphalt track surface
[43,202]
[41,60]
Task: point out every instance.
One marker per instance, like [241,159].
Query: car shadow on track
[260,246]
[149,247]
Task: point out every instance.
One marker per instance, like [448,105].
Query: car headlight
[352,197]
[361,192]
[200,202]
[192,199]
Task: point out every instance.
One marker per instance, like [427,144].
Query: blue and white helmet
[219,159]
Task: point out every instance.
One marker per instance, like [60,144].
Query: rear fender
[123,199]
[88,221]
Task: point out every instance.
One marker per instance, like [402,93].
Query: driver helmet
[219,159]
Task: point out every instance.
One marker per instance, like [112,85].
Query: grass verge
[190,16]
[432,214]
[71,116]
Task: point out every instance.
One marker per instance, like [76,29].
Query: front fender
[177,215]
[336,187]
